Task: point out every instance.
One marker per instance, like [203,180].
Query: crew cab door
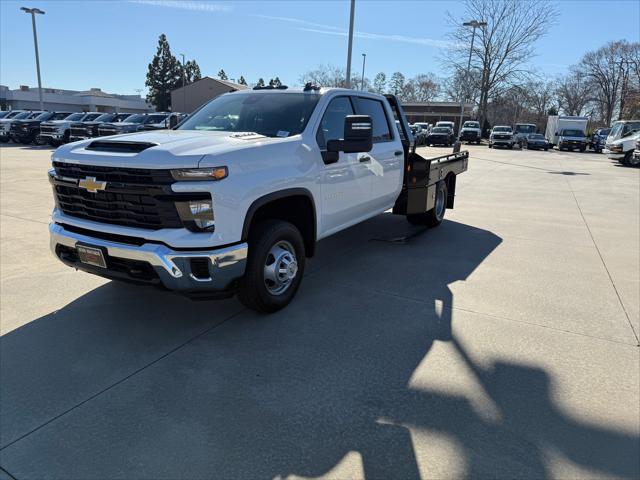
[386,159]
[345,184]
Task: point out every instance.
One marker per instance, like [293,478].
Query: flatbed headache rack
[421,174]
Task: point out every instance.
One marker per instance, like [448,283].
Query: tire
[628,158]
[272,243]
[511,146]
[546,149]
[25,141]
[490,146]
[433,217]
[633,161]
[582,150]
[4,139]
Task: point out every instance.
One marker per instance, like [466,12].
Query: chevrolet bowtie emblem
[91,185]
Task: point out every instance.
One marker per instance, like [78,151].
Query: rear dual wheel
[433,217]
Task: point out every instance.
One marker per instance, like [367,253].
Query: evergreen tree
[192,71]
[260,83]
[242,81]
[379,82]
[222,75]
[271,83]
[164,74]
[277,82]
[396,84]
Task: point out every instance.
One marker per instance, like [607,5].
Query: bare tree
[426,87]
[574,92]
[326,76]
[503,46]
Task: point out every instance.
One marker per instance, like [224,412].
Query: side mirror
[173,121]
[557,133]
[358,135]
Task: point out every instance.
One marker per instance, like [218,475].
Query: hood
[569,137]
[53,123]
[170,148]
[473,129]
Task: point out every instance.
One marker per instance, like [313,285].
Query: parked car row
[56,128]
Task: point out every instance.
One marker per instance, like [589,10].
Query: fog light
[197,215]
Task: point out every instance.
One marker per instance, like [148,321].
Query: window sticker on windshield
[282,133]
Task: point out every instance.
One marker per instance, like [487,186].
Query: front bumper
[501,141]
[613,155]
[174,269]
[469,136]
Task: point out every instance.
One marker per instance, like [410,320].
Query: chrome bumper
[172,266]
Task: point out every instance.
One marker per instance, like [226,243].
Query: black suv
[84,130]
[27,131]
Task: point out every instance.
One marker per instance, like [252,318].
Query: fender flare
[277,195]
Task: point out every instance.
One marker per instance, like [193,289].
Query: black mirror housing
[173,121]
[358,135]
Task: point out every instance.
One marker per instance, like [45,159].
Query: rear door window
[375,109]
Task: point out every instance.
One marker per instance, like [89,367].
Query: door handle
[365,158]
[397,153]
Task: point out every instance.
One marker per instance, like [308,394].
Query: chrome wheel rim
[440,204]
[280,268]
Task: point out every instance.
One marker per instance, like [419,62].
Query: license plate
[91,256]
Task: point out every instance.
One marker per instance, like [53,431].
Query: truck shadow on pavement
[131,383]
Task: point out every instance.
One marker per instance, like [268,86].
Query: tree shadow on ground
[246,396]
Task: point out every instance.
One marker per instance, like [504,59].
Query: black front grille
[79,131]
[105,132]
[138,198]
[45,129]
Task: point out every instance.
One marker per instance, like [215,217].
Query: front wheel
[628,158]
[275,266]
[433,217]
[633,161]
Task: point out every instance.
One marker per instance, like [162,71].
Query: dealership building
[189,98]
[92,100]
[432,112]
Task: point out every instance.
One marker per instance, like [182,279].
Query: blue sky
[108,44]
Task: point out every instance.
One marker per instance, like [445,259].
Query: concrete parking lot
[503,344]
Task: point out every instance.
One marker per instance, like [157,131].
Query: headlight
[191,174]
[197,215]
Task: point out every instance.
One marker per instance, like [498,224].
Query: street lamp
[473,24]
[353,9]
[364,59]
[33,12]
[184,84]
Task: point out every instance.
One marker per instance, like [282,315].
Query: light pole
[33,12]
[353,9]
[364,59]
[474,24]
[184,84]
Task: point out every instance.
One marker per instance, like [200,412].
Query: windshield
[536,136]
[75,117]
[525,128]
[19,115]
[471,125]
[32,115]
[105,117]
[441,130]
[91,117]
[502,129]
[137,118]
[155,118]
[3,114]
[60,116]
[270,114]
[43,116]
[630,127]
[121,117]
[572,133]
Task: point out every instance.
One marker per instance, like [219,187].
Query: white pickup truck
[235,198]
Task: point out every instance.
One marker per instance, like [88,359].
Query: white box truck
[557,123]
